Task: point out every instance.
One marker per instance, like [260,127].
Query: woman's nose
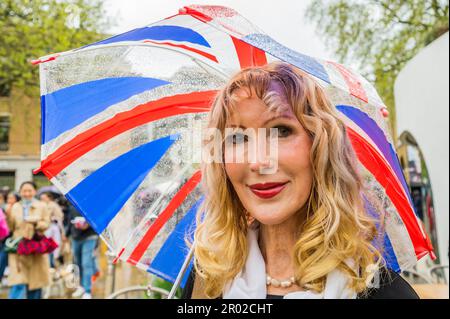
[260,165]
[263,162]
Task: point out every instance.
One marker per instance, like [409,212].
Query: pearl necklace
[279,283]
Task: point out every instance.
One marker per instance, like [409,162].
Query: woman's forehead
[274,87]
[247,105]
[253,111]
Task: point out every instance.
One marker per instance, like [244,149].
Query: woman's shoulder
[16,205]
[389,285]
[39,204]
[189,286]
[193,288]
[16,208]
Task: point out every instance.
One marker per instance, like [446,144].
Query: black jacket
[73,232]
[392,286]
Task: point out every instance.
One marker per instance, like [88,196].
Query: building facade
[19,140]
[422,106]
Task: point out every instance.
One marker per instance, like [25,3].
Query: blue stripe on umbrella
[66,108]
[387,249]
[101,195]
[170,258]
[371,128]
[159,33]
[43,119]
[389,255]
[304,62]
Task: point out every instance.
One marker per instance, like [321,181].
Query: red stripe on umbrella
[353,83]
[176,201]
[196,102]
[375,163]
[248,54]
[185,47]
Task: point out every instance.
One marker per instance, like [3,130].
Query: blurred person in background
[56,229]
[54,207]
[64,204]
[4,232]
[84,242]
[28,274]
[3,191]
[9,199]
[3,195]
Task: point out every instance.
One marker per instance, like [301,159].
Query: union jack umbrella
[116,118]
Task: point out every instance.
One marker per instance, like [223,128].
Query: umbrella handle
[181,273]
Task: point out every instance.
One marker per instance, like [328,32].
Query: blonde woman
[293,226]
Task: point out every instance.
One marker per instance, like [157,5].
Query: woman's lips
[267,190]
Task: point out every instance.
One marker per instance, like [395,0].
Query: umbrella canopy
[116,117]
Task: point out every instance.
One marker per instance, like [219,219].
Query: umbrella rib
[153,230]
[154,206]
[182,272]
[223,74]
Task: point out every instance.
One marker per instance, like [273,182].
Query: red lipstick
[267,190]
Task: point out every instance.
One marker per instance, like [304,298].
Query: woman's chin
[270,220]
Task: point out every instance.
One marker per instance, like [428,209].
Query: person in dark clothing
[391,286]
[78,228]
[8,200]
[84,241]
[3,254]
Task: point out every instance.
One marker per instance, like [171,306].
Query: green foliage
[163,284]
[379,37]
[31,29]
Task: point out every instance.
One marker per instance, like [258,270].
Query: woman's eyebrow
[284,116]
[234,125]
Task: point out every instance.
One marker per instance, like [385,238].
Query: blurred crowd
[43,238]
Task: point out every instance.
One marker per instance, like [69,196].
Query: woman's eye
[237,138]
[283,131]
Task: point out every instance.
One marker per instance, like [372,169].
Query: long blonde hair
[337,227]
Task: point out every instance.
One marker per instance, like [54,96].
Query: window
[8,179]
[41,180]
[5,124]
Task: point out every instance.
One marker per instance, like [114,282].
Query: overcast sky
[281,19]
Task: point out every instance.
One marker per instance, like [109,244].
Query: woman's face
[44,198]
[11,198]
[270,204]
[27,192]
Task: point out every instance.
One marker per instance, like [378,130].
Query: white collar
[250,282]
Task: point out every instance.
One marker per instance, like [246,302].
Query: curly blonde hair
[337,227]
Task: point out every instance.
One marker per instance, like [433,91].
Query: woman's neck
[277,245]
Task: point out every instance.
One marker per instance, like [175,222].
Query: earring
[249,218]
